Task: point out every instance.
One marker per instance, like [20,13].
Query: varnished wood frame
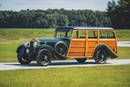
[86,39]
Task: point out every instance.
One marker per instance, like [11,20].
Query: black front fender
[44,46]
[20,49]
[53,51]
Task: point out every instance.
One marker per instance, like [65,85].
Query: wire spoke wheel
[23,59]
[44,57]
[101,57]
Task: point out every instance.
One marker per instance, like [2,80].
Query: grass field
[123,35]
[103,76]
[10,39]
[25,34]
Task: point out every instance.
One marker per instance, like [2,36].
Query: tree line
[119,13]
[52,18]
[117,16]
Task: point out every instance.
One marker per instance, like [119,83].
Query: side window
[69,34]
[106,34]
[110,34]
[60,34]
[79,34]
[92,34]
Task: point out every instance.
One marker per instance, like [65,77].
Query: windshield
[63,34]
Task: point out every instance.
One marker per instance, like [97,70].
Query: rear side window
[92,34]
[106,34]
[79,34]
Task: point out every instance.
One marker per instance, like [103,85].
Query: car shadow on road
[55,63]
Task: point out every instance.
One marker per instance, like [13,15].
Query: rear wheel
[101,57]
[44,57]
[23,59]
[81,60]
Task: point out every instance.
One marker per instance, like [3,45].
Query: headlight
[35,44]
[26,44]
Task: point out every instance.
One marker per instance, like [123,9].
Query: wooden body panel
[91,46]
[77,48]
[85,47]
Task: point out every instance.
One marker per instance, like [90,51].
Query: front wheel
[44,57]
[101,57]
[81,60]
[22,59]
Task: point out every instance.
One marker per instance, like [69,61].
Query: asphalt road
[123,43]
[14,66]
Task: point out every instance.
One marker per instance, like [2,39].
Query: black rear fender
[106,49]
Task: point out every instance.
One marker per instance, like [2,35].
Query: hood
[48,40]
[52,40]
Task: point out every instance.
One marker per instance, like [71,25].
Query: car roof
[82,28]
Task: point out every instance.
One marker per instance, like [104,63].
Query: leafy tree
[119,13]
[52,18]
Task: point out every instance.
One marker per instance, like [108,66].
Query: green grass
[25,34]
[21,34]
[123,35]
[103,76]
[124,52]
[8,52]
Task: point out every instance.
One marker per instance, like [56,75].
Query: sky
[17,5]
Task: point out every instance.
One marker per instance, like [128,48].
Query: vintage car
[72,42]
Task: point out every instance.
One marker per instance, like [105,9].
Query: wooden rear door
[77,48]
[92,42]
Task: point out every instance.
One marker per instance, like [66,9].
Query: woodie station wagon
[72,42]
